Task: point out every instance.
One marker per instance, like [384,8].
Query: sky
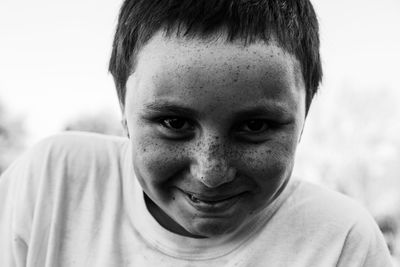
[54,55]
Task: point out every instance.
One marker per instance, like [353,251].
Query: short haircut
[292,23]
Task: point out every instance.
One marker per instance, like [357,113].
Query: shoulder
[66,163]
[75,147]
[81,153]
[72,142]
[327,205]
[70,155]
[61,172]
[338,222]
[325,227]
[325,215]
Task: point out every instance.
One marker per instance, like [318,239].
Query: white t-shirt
[73,200]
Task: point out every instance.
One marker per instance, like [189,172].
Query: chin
[212,229]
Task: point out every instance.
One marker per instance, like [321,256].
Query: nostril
[213,174]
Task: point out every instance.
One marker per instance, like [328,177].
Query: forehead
[197,50]
[163,53]
[210,64]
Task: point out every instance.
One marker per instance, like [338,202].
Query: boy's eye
[176,124]
[254,126]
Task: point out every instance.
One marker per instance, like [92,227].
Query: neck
[164,220]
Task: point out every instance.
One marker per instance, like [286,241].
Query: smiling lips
[213,204]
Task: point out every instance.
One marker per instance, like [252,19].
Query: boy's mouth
[208,200]
[212,204]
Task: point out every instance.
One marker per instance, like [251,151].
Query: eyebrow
[170,107]
[251,111]
[263,109]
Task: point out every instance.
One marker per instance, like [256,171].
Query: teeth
[196,200]
[192,198]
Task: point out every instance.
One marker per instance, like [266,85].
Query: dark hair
[292,23]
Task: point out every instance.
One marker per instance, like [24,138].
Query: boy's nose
[211,166]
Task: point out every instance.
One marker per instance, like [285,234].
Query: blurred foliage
[351,143]
[12,136]
[390,229]
[103,122]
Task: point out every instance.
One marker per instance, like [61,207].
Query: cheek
[266,165]
[269,171]
[269,165]
[156,162]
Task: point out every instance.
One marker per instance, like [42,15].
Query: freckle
[248,67]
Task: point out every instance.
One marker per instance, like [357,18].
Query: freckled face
[214,128]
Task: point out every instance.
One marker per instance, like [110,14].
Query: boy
[214,96]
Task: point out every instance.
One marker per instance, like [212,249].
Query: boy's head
[291,23]
[215,95]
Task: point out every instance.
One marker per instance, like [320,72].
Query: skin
[214,127]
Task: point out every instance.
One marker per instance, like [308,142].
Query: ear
[125,125]
[301,133]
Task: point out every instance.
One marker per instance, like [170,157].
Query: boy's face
[214,128]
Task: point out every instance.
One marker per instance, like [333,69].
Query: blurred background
[53,77]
